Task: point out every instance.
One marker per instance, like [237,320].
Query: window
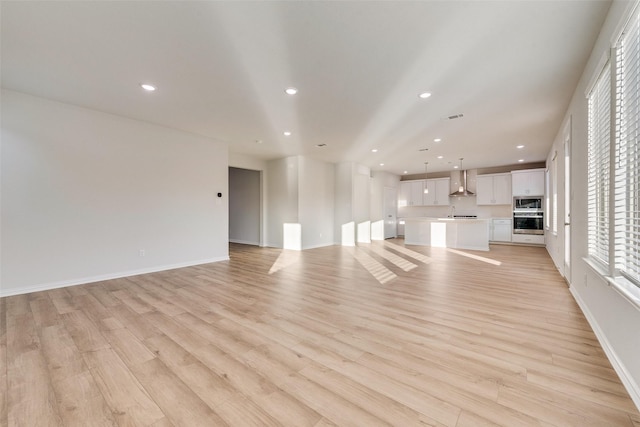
[627,154]
[547,192]
[554,185]
[599,136]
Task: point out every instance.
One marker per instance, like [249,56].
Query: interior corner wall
[316,202]
[282,198]
[614,319]
[352,195]
[89,196]
[343,212]
[244,206]
[380,180]
[361,193]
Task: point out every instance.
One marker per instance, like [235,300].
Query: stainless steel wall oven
[528,215]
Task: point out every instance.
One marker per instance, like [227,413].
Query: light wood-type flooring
[379,334]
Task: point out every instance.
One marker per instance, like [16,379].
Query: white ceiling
[221,69]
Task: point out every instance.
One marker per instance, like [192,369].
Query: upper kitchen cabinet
[438,194]
[528,182]
[494,189]
[410,193]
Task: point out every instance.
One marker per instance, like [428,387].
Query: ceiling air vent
[455,116]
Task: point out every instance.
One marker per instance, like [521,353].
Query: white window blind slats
[599,126]
[626,197]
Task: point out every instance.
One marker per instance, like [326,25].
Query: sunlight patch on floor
[286,258]
[413,254]
[381,273]
[392,257]
[476,257]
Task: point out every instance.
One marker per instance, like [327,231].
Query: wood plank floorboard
[378,334]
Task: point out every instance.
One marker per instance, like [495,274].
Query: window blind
[599,136]
[626,196]
[554,185]
[547,208]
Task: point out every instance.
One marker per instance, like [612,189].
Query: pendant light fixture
[426,188]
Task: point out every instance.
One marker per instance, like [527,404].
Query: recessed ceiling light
[287,133]
[375,150]
[258,141]
[406,172]
[455,167]
[424,95]
[381,164]
[147,87]
[437,140]
[291,90]
[520,146]
[440,157]
[321,145]
[521,160]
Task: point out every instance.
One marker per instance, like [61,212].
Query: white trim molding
[632,387]
[93,279]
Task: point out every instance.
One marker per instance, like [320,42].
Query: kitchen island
[458,233]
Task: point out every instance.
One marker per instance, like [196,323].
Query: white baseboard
[322,245]
[244,242]
[93,279]
[627,380]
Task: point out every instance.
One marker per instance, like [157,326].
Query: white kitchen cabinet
[528,182]
[438,194]
[493,189]
[501,230]
[534,239]
[410,193]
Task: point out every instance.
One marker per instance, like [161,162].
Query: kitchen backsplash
[458,206]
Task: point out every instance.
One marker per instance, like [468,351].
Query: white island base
[458,233]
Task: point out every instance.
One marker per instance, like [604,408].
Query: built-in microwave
[527,203]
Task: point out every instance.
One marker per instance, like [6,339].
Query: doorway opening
[245,206]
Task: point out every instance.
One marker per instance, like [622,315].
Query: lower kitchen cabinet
[501,230]
[536,239]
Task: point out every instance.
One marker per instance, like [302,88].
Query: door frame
[568,197]
[393,194]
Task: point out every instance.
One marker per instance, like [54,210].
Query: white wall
[353,192]
[243,161]
[83,192]
[615,320]
[361,193]
[282,198]
[301,190]
[244,206]
[343,203]
[316,201]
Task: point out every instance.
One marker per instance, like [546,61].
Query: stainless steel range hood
[462,191]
